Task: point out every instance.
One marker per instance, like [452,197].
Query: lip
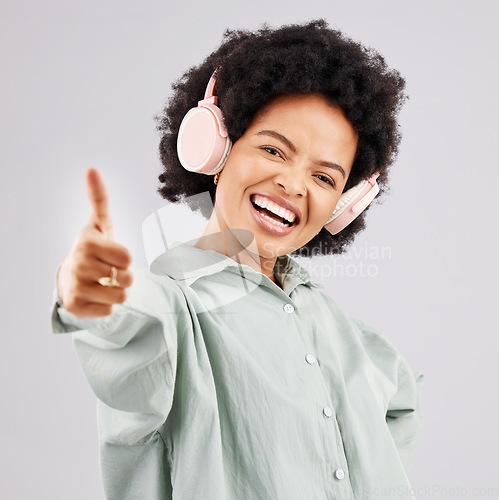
[268,226]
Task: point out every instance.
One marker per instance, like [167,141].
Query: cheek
[230,194]
[324,207]
[242,172]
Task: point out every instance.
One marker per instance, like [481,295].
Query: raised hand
[92,256]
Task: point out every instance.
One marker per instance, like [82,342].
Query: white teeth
[263,202]
[276,222]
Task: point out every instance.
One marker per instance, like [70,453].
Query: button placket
[327,411]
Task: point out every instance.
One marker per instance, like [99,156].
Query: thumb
[100,217]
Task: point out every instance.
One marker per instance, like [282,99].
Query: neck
[238,245]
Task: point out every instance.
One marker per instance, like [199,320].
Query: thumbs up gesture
[85,278]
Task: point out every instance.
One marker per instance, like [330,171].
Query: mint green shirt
[215,384]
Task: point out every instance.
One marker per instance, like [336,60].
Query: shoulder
[393,364]
[376,343]
[383,353]
[152,294]
[384,356]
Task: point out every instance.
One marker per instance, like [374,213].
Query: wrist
[60,282]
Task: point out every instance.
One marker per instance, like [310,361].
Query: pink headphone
[203,143]
[203,146]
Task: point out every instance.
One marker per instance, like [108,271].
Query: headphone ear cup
[203,143]
[352,203]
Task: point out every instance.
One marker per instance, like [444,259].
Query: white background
[80,83]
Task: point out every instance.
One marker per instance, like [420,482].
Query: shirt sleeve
[403,416]
[403,402]
[129,357]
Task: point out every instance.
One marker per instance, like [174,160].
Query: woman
[226,373]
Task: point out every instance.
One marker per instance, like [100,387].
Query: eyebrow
[293,148]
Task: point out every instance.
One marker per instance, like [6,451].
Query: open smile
[274,214]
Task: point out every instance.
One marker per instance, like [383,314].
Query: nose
[292,182]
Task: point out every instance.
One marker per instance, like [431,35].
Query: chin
[269,249]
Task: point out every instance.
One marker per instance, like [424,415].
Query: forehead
[310,119]
[317,106]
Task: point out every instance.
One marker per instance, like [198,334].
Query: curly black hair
[255,67]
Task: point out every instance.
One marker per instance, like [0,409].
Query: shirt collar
[187,263]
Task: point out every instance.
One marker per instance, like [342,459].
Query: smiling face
[286,173]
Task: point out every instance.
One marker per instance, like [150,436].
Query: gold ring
[110,281]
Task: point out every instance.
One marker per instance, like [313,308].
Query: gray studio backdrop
[80,83]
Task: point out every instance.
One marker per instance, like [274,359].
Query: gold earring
[215,179]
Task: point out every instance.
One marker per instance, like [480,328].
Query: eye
[326,179]
[272,151]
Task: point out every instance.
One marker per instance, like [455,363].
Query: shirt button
[339,473]
[310,359]
[289,308]
[328,412]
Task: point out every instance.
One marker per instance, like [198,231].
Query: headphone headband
[210,88]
